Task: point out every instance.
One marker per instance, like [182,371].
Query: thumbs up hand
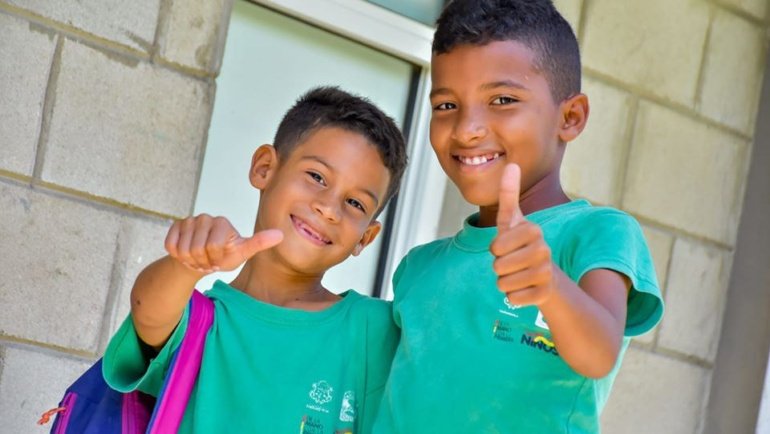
[525,272]
[207,244]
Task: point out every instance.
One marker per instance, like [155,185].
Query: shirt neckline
[238,301]
[476,239]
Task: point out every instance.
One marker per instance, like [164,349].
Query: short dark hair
[332,107]
[534,23]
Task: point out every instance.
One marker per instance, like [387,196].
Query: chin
[479,197]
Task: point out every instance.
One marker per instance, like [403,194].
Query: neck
[274,283]
[545,193]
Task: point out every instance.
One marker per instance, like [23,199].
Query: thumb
[508,211]
[260,241]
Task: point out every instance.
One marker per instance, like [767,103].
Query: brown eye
[504,100]
[445,106]
[356,204]
[316,177]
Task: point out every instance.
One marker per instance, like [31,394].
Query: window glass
[269,61]
[424,11]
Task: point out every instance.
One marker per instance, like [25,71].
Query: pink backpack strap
[184,369]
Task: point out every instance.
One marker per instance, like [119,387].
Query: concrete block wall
[674,88]
[104,109]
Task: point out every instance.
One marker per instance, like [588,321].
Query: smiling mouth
[308,232]
[478,160]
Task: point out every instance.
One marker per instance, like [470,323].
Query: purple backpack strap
[184,368]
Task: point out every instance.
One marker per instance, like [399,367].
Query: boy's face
[491,106]
[323,195]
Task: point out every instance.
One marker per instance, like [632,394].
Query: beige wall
[674,87]
[104,108]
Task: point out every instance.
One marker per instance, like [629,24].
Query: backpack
[90,406]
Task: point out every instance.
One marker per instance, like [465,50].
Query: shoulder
[595,223]
[375,312]
[429,249]
[417,259]
[426,252]
[372,307]
[591,237]
[591,215]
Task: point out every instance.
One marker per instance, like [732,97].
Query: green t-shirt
[470,362]
[269,369]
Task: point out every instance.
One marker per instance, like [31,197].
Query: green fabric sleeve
[125,365]
[614,240]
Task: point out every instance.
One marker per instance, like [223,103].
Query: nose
[470,127]
[326,206]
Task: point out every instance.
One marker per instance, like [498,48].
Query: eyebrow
[331,168]
[485,86]
[503,83]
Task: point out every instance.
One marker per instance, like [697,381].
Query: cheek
[439,133]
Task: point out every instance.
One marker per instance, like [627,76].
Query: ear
[574,115]
[264,163]
[369,235]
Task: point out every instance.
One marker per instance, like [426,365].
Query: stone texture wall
[674,89]
[104,109]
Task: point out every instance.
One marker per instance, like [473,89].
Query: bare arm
[158,298]
[587,320]
[197,246]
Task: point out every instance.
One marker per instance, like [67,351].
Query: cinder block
[695,299]
[594,162]
[55,272]
[758,8]
[32,383]
[686,174]
[193,35]
[570,9]
[140,243]
[26,51]
[733,71]
[656,394]
[127,131]
[660,244]
[655,45]
[131,23]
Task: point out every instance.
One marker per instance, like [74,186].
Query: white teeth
[478,160]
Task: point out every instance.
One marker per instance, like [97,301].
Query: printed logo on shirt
[502,331]
[540,342]
[348,410]
[540,321]
[321,393]
[310,425]
[510,308]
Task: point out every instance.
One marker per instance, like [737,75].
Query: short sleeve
[610,239]
[125,366]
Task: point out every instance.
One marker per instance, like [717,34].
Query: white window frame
[422,189]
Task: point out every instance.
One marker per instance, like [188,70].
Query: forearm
[586,334]
[158,299]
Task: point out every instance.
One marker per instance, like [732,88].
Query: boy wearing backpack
[284,354]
